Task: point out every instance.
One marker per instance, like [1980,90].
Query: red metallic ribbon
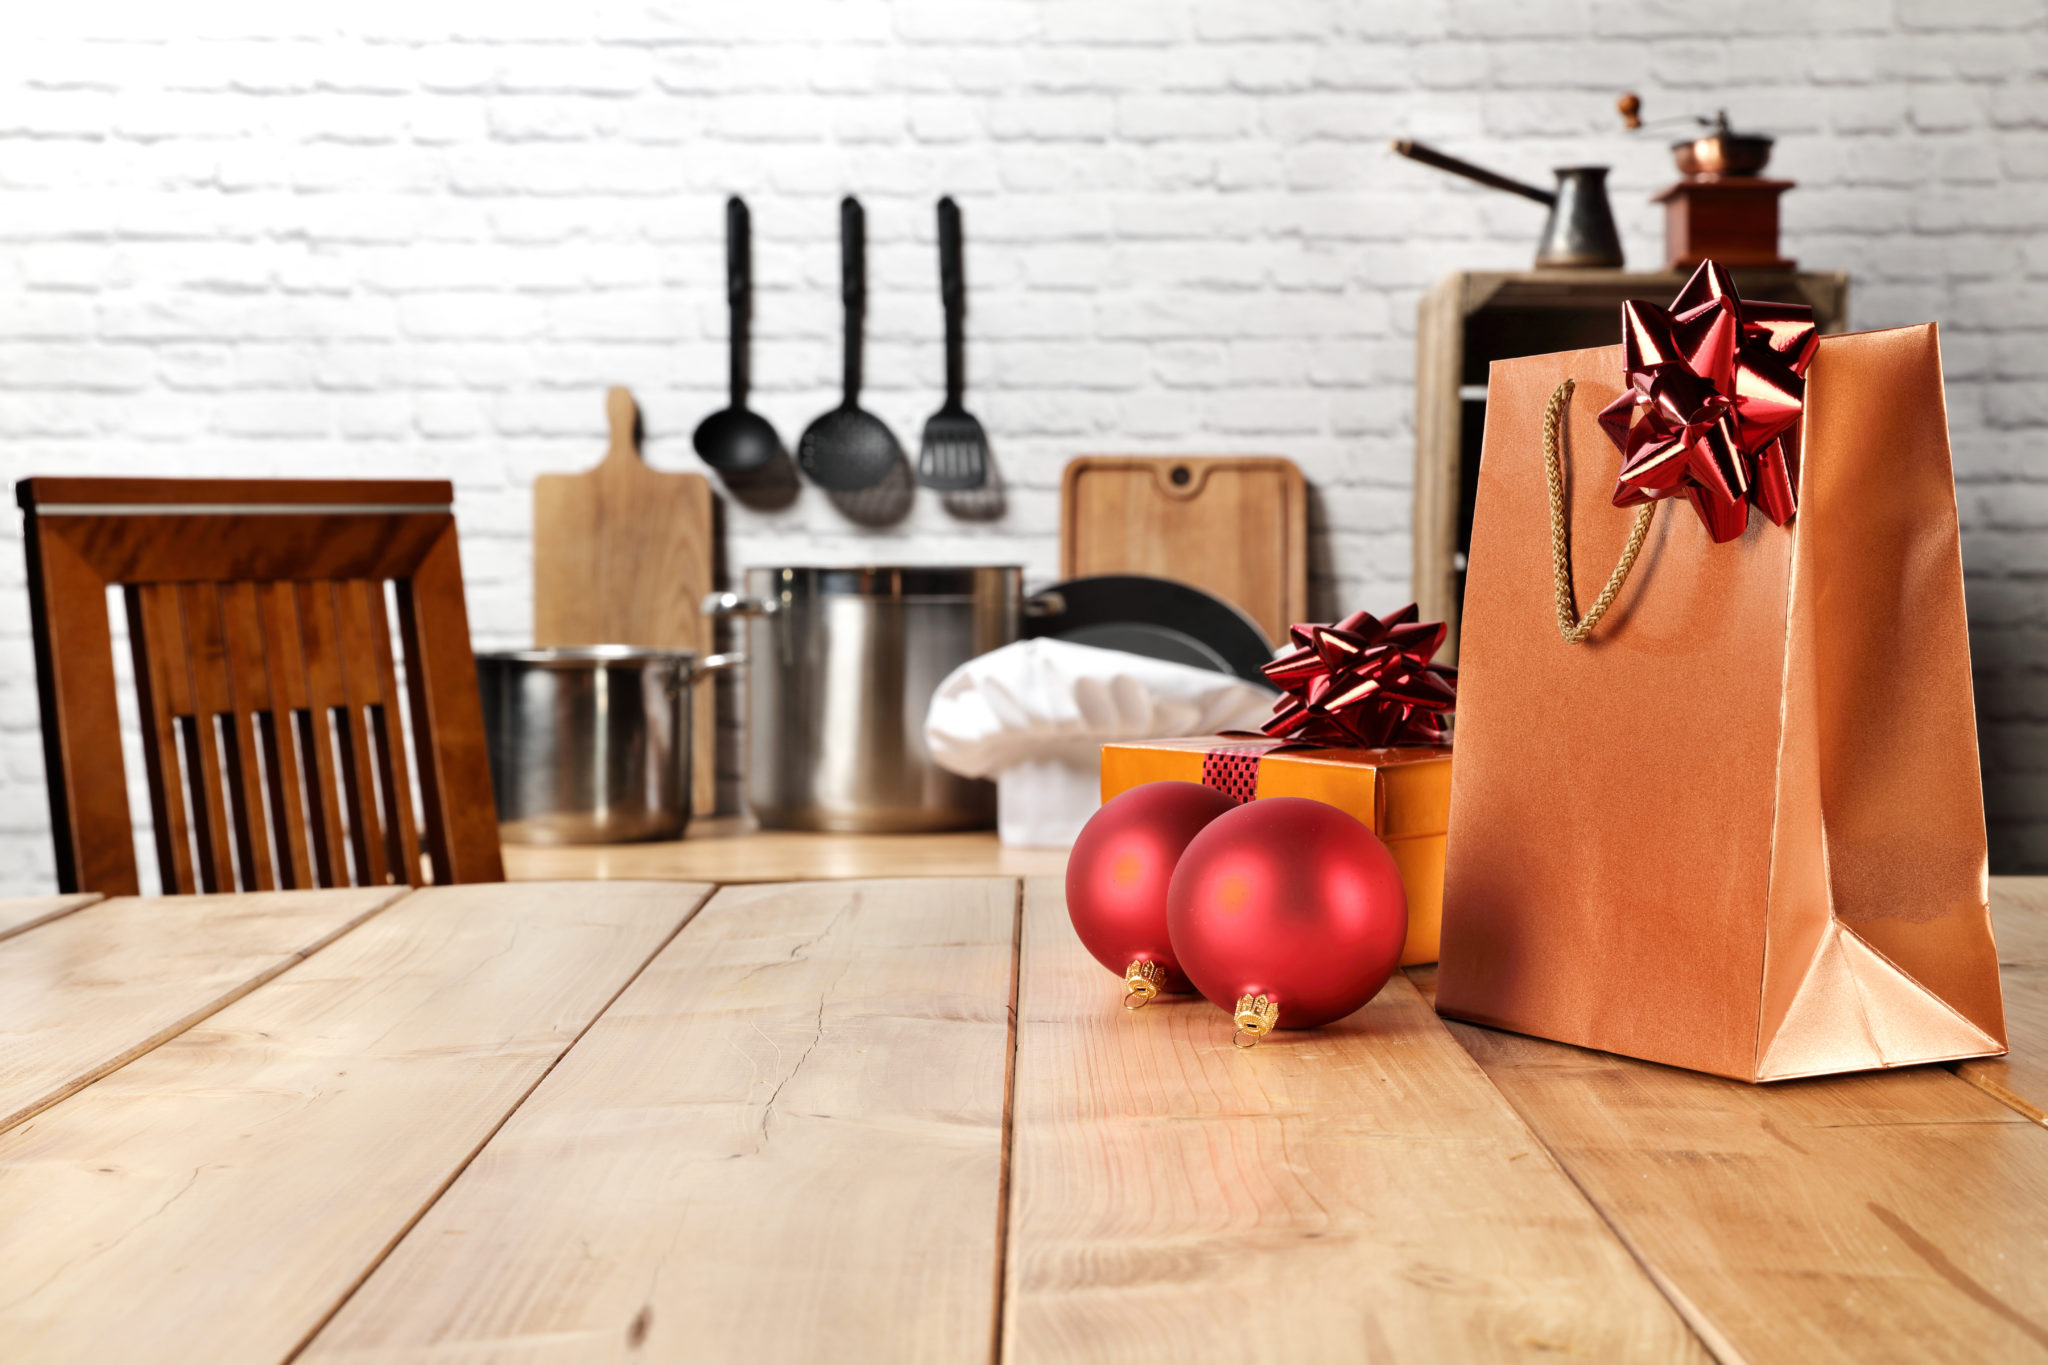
[1364,681]
[1716,387]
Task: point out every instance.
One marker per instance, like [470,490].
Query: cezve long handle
[1430,156]
[853,287]
[739,289]
[953,291]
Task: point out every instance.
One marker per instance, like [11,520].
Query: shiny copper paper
[1732,831]
[1710,414]
[1364,682]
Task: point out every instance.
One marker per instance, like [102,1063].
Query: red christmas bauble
[1118,873]
[1292,900]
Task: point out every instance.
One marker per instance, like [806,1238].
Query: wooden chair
[264,678]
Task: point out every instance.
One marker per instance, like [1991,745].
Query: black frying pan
[1155,617]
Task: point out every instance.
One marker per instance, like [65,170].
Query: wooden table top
[732,849]
[907,1120]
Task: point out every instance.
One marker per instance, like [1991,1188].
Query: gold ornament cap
[1143,979]
[1256,1015]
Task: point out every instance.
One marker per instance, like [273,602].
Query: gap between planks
[229,1188]
[31,912]
[782,1141]
[1358,1191]
[91,990]
[2019,1080]
[1877,1215]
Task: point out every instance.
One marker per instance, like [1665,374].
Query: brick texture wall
[420,239]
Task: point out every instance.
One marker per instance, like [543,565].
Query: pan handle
[1047,603]
[732,604]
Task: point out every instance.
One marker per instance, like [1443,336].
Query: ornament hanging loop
[1143,980]
[1255,1016]
[1570,624]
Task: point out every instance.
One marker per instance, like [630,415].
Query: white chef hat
[1034,716]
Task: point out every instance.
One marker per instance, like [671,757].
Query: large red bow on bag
[1364,681]
[1716,386]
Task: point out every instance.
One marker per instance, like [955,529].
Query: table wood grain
[1358,1192]
[2019,919]
[215,1200]
[84,993]
[572,1122]
[786,1135]
[1898,1215]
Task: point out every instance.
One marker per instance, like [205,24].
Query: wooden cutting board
[622,555]
[1233,525]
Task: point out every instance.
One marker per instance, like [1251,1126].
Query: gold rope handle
[1570,624]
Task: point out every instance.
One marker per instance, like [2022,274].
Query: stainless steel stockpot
[841,667]
[591,745]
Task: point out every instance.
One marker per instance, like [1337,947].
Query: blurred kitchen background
[421,239]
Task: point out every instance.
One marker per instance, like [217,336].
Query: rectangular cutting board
[1232,525]
[622,555]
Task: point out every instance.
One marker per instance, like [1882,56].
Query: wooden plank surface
[213,1201]
[623,555]
[97,988]
[1357,1192]
[783,1143]
[1897,1215]
[30,911]
[732,850]
[2019,921]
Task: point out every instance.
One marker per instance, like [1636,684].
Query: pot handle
[706,666]
[732,604]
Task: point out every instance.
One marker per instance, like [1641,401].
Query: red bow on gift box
[1364,681]
[1716,386]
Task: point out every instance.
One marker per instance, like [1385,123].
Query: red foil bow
[1364,681]
[1716,386]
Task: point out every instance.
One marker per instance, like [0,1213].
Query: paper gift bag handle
[1570,624]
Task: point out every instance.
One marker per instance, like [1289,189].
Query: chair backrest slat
[358,665]
[285,662]
[249,767]
[206,652]
[266,681]
[163,688]
[388,737]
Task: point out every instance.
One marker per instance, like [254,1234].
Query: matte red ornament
[1118,873]
[1288,913]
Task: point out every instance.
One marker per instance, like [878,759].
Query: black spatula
[955,453]
[848,449]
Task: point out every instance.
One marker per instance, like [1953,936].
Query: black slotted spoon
[848,449]
[955,453]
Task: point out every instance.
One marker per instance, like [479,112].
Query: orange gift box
[1403,795]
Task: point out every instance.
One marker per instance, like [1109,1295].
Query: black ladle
[848,449]
[734,440]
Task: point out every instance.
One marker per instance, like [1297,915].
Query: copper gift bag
[1739,827]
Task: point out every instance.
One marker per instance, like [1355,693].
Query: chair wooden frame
[265,680]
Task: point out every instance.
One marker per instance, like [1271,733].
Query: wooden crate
[1473,318]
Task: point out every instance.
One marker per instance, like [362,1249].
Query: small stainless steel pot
[841,667]
[591,745]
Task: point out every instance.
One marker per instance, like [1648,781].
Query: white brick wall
[420,238]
